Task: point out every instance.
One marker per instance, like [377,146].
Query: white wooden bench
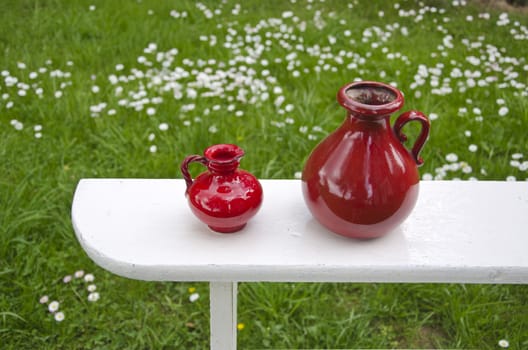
[462,232]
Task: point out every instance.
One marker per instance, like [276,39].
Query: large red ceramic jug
[224,197]
[361,181]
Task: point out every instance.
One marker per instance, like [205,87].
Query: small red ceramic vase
[360,181]
[224,197]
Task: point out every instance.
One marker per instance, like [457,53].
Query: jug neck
[216,167]
[368,121]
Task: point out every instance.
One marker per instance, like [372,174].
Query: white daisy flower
[503,111]
[93,297]
[53,306]
[193,297]
[503,343]
[59,316]
[89,278]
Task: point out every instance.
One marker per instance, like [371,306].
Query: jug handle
[403,119]
[185,167]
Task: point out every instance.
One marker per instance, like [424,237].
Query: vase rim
[370,98]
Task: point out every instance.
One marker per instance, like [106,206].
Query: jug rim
[382,99]
[223,153]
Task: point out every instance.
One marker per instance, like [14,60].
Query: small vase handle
[422,138]
[185,167]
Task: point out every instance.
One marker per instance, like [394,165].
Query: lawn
[129,88]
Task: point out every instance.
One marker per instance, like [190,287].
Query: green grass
[38,175]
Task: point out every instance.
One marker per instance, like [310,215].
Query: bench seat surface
[474,232]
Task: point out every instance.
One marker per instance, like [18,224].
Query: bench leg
[223,304]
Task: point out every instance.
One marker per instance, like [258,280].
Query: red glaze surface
[361,182]
[224,197]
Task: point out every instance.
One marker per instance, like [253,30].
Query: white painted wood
[474,232]
[223,305]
